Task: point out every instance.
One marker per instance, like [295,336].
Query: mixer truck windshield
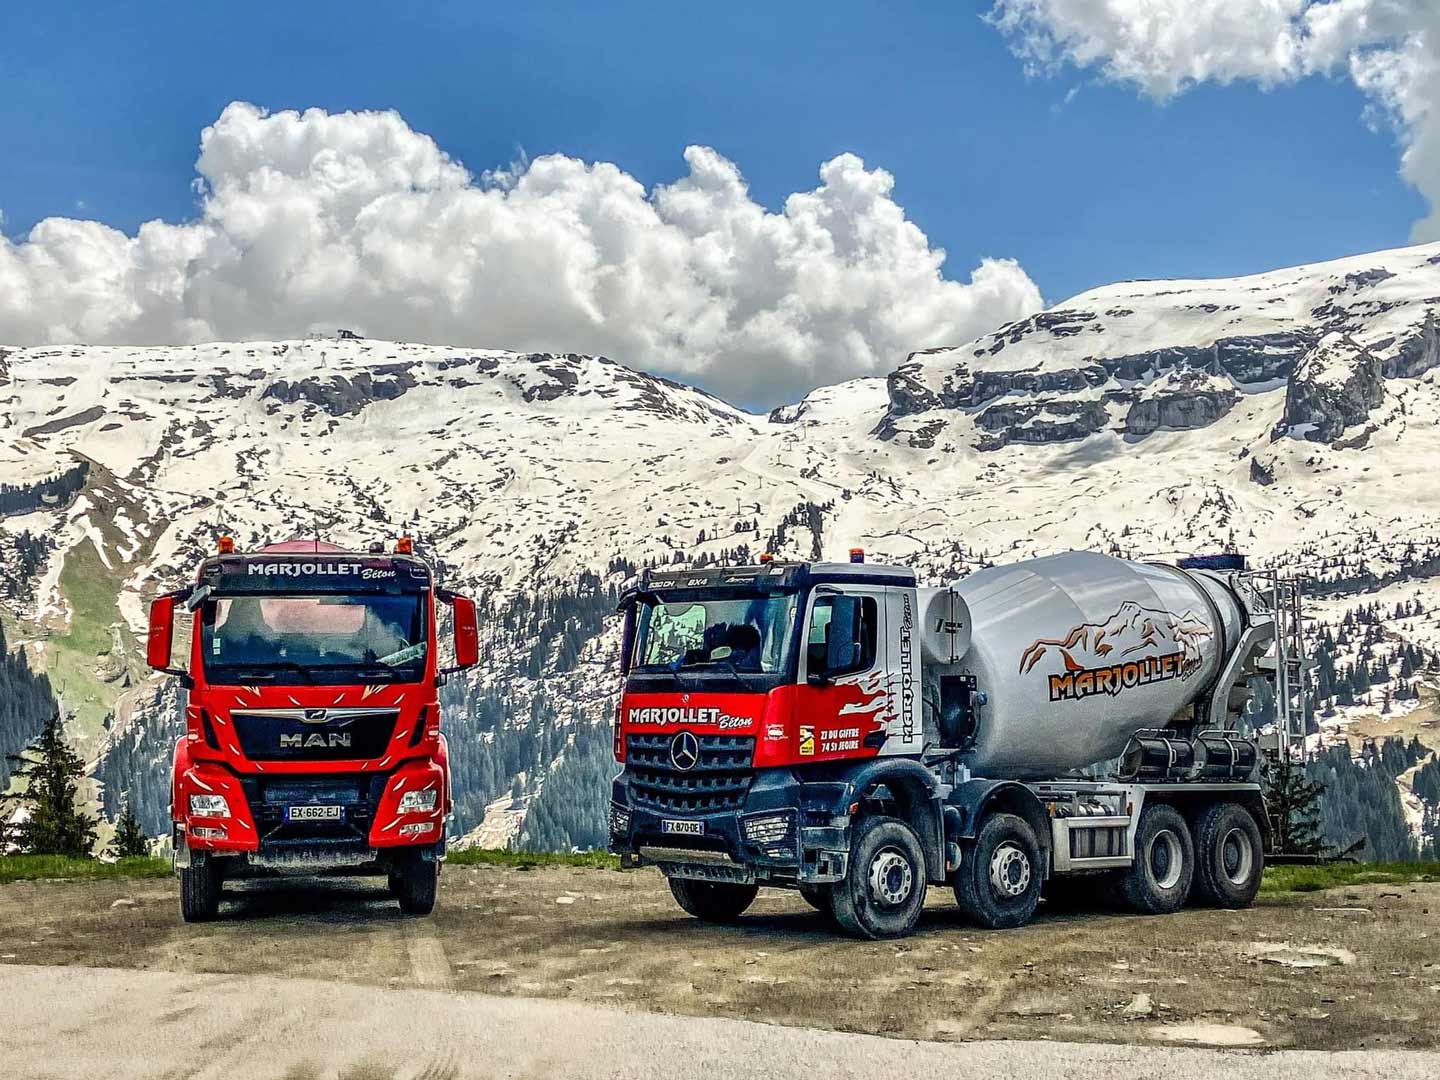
[324,639]
[746,636]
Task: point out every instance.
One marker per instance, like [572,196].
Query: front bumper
[786,832]
[258,828]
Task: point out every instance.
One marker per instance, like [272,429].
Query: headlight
[209,806]
[421,801]
[766,829]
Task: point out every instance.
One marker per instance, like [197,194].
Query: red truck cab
[312,722]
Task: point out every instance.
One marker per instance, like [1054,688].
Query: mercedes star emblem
[684,751]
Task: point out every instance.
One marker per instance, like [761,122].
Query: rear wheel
[713,901]
[998,883]
[414,882]
[200,884]
[884,886]
[1229,858]
[1158,881]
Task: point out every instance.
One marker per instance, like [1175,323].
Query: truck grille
[356,794]
[718,782]
[286,735]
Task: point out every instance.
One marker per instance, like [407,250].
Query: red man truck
[312,728]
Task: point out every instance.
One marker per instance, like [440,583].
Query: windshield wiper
[256,671]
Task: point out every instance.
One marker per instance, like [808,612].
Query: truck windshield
[749,635]
[321,639]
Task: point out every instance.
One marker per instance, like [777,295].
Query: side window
[842,637]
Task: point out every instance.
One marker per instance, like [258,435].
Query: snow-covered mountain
[1290,414]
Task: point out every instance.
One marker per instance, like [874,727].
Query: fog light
[420,828]
[416,802]
[767,829]
[204,832]
[619,821]
[209,806]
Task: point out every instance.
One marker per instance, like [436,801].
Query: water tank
[1074,653]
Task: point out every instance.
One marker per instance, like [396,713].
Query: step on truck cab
[837,729]
[312,725]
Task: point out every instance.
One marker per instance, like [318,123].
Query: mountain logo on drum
[1135,646]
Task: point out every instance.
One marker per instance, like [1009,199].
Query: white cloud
[1389,48]
[319,220]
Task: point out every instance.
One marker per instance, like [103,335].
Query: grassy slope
[1300,879]
[34,867]
[1278,879]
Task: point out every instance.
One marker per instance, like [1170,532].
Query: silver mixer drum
[1076,652]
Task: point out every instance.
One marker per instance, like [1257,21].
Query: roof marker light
[405,546]
[857,555]
[766,557]
[226,545]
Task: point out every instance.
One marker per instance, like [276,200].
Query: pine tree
[130,839]
[52,773]
[1293,803]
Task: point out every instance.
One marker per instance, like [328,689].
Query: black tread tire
[820,898]
[713,901]
[200,886]
[979,900]
[1139,889]
[415,881]
[1214,885]
[857,909]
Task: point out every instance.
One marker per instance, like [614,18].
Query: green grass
[529,860]
[91,589]
[1303,879]
[34,867]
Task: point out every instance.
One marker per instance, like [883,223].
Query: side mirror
[162,632]
[467,632]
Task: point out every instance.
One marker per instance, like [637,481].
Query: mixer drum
[1075,653]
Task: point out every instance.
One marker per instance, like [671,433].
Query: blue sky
[103,108]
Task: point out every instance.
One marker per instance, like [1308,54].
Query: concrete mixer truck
[837,729]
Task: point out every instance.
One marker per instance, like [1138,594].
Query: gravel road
[64,1022]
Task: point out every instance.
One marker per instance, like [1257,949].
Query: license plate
[683,828]
[315,813]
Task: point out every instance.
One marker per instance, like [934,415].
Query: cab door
[844,706]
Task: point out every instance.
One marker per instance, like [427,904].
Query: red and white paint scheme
[312,723]
[839,729]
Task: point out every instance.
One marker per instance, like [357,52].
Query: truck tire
[998,884]
[819,897]
[884,886]
[200,884]
[1229,856]
[713,901]
[414,881]
[1158,881]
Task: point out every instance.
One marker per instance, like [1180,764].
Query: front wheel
[414,882]
[200,884]
[998,883]
[884,886]
[713,901]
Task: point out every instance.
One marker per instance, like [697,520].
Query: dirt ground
[1352,968]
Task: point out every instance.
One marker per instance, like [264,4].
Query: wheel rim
[1237,857]
[891,878]
[1009,871]
[1167,859]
